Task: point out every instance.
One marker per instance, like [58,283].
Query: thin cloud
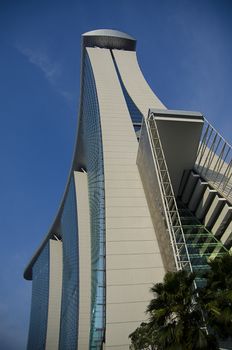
[52,70]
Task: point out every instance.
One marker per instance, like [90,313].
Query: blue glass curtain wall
[95,171]
[70,296]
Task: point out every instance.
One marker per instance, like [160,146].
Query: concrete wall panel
[130,234]
[127,214]
[135,276]
[55,291]
[81,184]
[134,81]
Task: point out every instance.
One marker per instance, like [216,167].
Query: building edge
[107,38]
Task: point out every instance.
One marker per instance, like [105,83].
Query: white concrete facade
[133,259]
[83,218]
[55,292]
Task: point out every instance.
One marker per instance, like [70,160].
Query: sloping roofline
[105,38]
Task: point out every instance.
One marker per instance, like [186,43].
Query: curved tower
[101,255]
[93,271]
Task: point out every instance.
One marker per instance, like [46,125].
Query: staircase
[198,219]
[201,243]
[208,206]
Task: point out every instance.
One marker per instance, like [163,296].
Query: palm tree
[178,314]
[216,296]
[175,317]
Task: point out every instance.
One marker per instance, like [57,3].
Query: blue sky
[184,50]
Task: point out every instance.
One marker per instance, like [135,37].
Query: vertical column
[55,291]
[81,184]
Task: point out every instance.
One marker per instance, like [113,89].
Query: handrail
[214,160]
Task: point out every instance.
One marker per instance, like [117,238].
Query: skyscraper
[149,191]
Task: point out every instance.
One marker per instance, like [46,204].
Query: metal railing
[214,161]
[172,217]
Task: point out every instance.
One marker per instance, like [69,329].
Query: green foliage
[216,296]
[175,318]
[144,337]
[182,317]
[178,315]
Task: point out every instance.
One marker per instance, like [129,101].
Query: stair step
[205,203]
[189,187]
[197,194]
[222,221]
[226,238]
[214,211]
